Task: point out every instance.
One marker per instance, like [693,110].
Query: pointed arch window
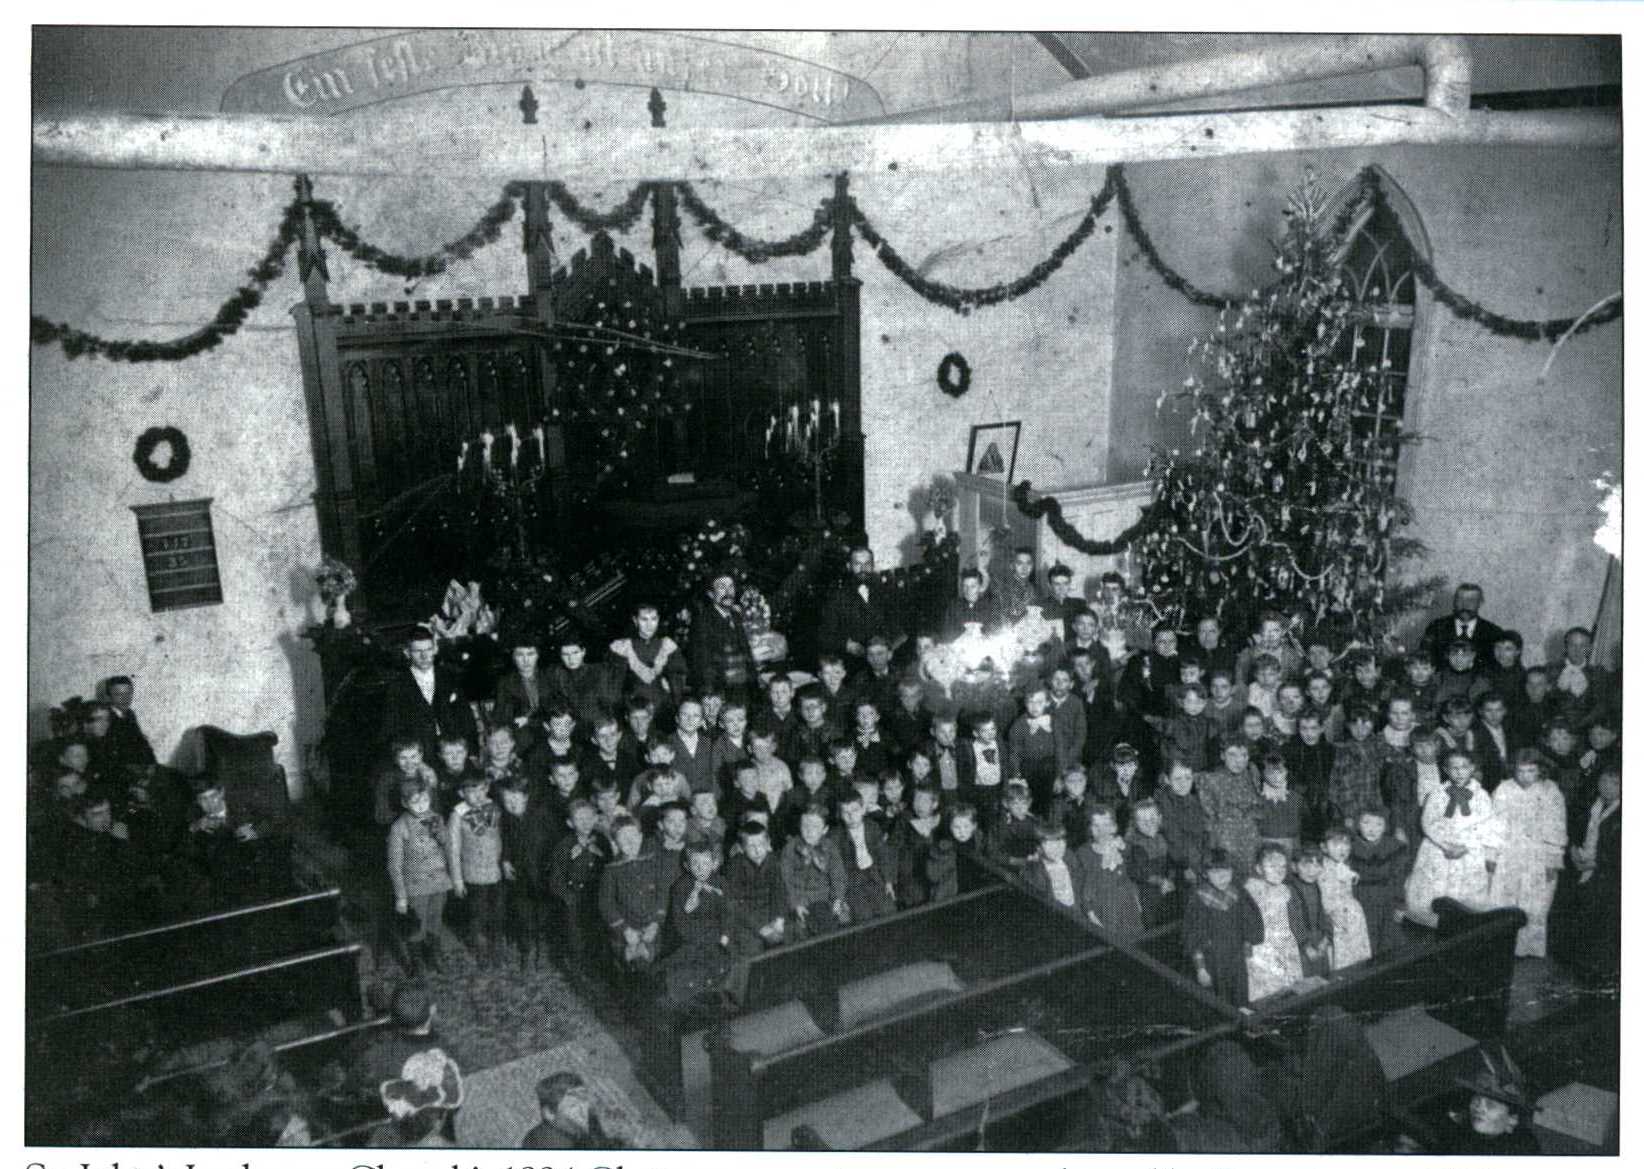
[1378,263]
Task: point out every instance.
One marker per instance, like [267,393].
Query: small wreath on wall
[953,375]
[149,441]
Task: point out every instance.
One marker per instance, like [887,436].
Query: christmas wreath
[953,375]
[149,441]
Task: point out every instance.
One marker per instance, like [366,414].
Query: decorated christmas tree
[1286,499]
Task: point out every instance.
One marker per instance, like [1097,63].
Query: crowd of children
[1305,800]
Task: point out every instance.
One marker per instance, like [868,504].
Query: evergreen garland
[620,219]
[756,251]
[1049,508]
[330,226]
[962,300]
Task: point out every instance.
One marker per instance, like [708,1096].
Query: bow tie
[1041,723]
[1461,796]
[991,754]
[866,739]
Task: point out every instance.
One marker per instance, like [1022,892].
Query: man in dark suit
[127,745]
[1061,604]
[718,655]
[1465,623]
[423,701]
[852,613]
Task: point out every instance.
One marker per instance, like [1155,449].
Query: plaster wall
[1503,480]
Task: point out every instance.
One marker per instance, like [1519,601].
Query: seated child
[1292,701]
[574,879]
[963,837]
[1048,875]
[1147,860]
[733,744]
[559,742]
[814,787]
[668,841]
[869,861]
[701,923]
[842,773]
[814,875]
[657,786]
[608,809]
[637,733]
[1461,679]
[1420,679]
[981,766]
[692,750]
[1219,928]
[1349,929]
[1120,783]
[1381,861]
[1355,774]
[872,753]
[475,831]
[1226,705]
[1456,731]
[567,1119]
[753,884]
[1107,897]
[1274,958]
[451,771]
[564,785]
[745,797]
[1263,691]
[1033,746]
[777,715]
[501,762]
[633,898]
[775,777]
[811,732]
[908,723]
[1310,923]
[1016,837]
[893,802]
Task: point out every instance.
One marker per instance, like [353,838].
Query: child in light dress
[1350,931]
[1461,839]
[1274,963]
[1534,832]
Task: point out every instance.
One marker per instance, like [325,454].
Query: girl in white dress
[1350,932]
[1461,839]
[1534,832]
[1275,963]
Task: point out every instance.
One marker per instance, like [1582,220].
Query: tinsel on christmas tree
[1286,499]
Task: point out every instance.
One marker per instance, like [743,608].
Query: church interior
[765,590]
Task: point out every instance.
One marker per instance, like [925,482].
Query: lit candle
[513,446]
[462,457]
[816,411]
[486,439]
[542,458]
[835,409]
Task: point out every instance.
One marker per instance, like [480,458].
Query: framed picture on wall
[993,450]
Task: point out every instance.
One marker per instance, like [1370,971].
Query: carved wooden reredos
[393,389]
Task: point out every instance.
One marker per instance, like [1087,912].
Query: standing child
[870,864]
[814,876]
[1072,808]
[574,873]
[475,833]
[1349,929]
[872,754]
[1462,838]
[1308,919]
[920,831]
[419,869]
[1182,822]
[753,883]
[964,837]
[1048,875]
[1120,784]
[652,665]
[1274,963]
[1534,833]
[1381,861]
[1188,733]
[528,838]
[633,900]
[733,744]
[408,764]
[1219,926]
[692,752]
[451,771]
[701,923]
[1016,838]
[705,820]
[1278,816]
[1032,742]
[1355,776]
[1108,898]
[1147,860]
[980,765]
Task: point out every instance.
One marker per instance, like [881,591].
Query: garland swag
[329,224]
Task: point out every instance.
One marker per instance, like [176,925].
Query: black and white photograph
[863,589]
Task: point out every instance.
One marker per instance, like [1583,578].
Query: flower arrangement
[464,614]
[334,579]
[710,546]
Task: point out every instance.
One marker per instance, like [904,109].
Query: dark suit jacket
[960,612]
[126,744]
[1441,631]
[847,617]
[406,715]
[717,653]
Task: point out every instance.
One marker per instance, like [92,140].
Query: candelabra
[809,440]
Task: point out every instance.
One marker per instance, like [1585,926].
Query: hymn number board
[179,555]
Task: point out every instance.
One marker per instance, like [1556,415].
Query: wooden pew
[237,1003]
[117,967]
[1022,1035]
[994,930]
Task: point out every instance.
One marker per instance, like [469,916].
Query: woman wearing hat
[1497,1118]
